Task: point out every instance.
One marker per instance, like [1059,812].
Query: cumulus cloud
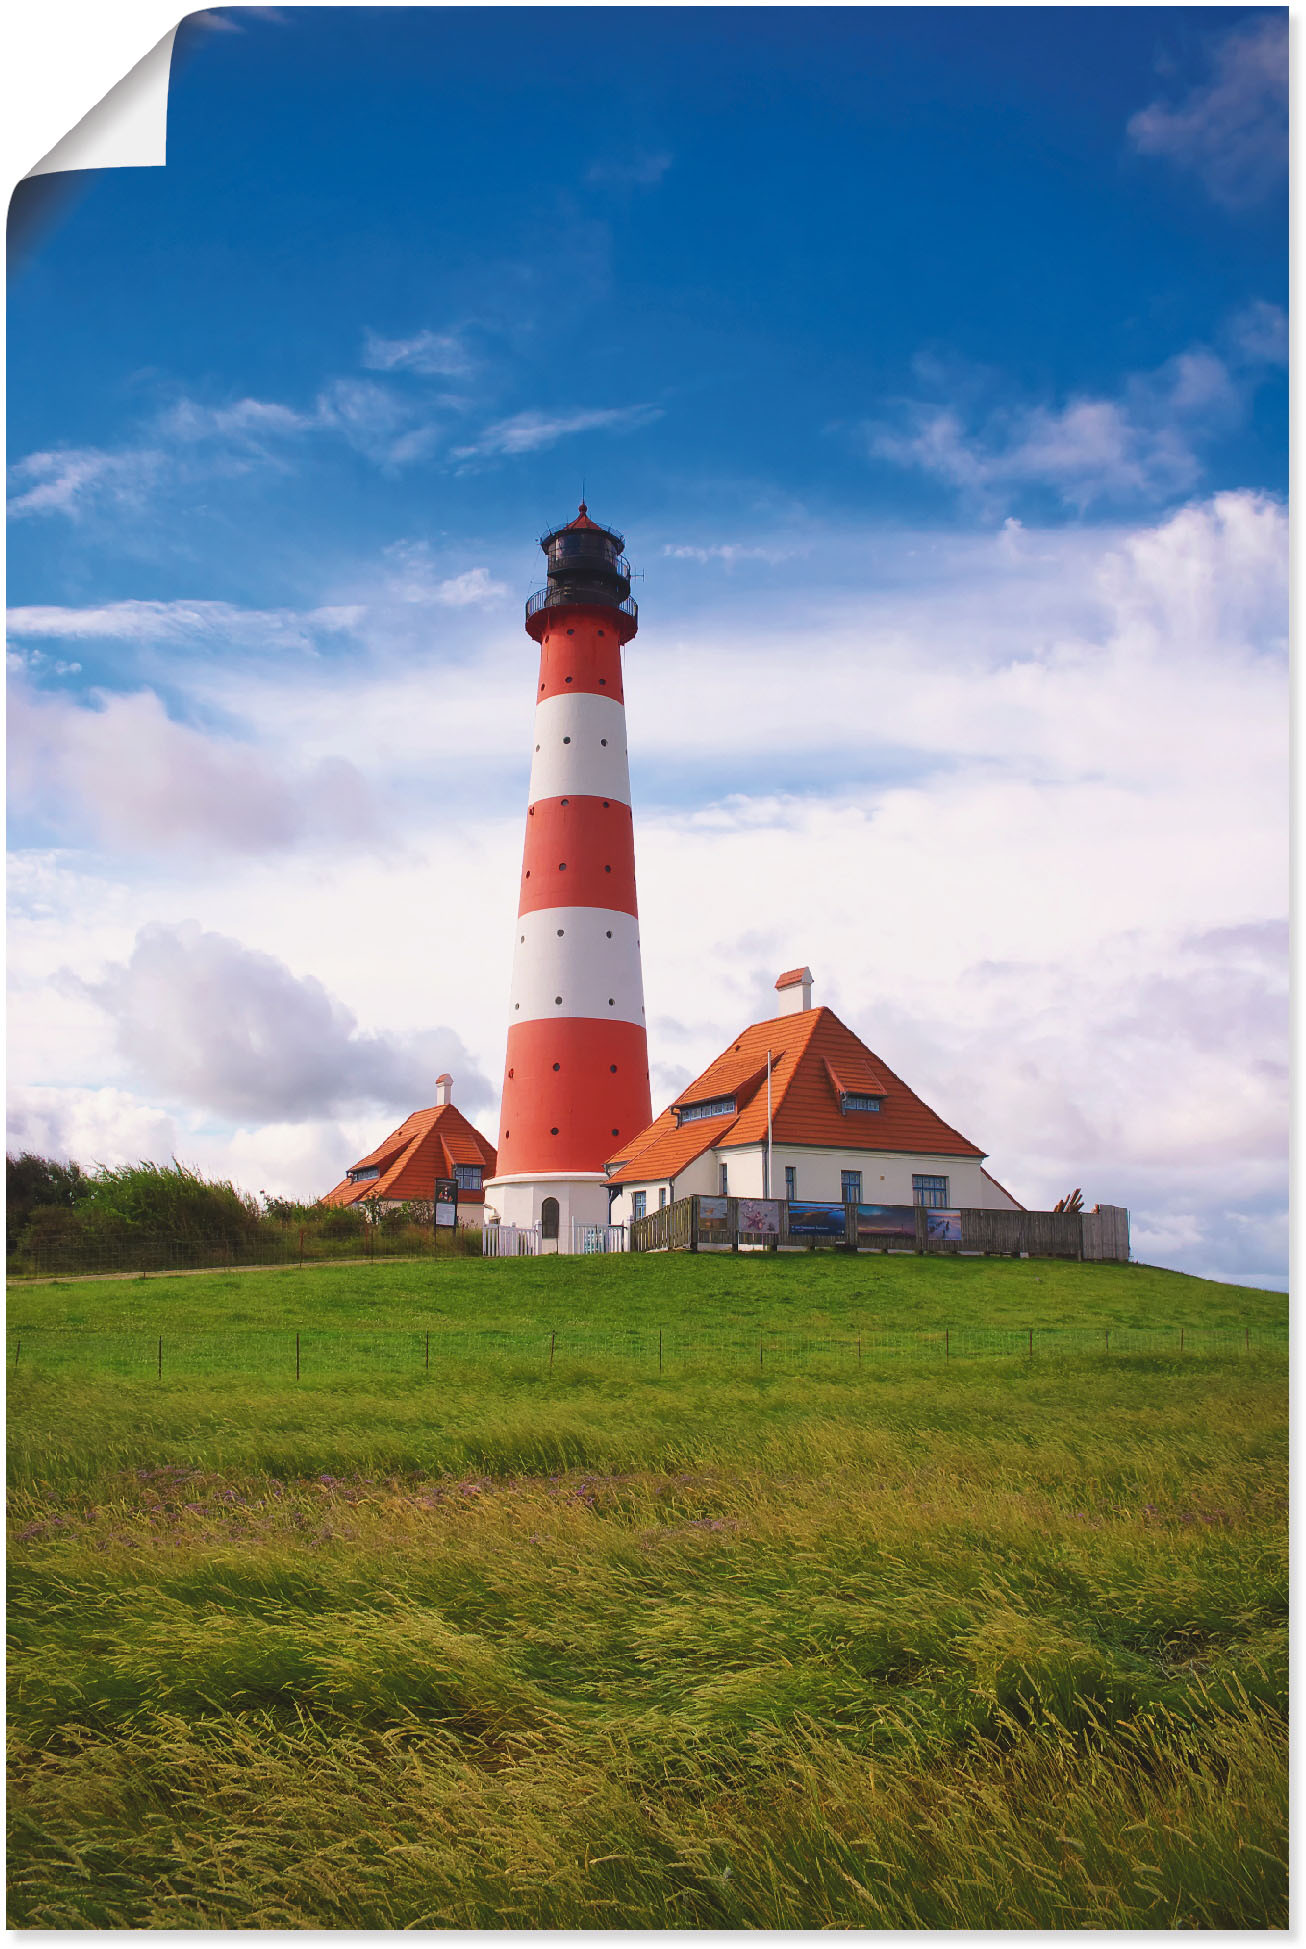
[436,353]
[1231,130]
[124,774]
[1030,785]
[217,1026]
[89,1126]
[528,431]
[1146,445]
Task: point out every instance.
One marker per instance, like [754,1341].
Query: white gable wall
[886,1178]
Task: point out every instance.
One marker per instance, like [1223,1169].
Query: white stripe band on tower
[576,961]
[580,747]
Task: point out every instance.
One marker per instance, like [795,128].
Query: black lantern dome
[586,569]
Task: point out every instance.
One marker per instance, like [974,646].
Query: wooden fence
[686,1226]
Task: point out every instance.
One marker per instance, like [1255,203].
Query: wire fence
[279,1246]
[286,1353]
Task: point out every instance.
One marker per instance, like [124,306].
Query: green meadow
[636,1593]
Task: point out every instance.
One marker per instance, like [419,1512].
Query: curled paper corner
[128,129]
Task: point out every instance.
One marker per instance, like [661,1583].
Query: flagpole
[768,1123]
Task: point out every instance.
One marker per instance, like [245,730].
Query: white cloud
[216,626]
[121,773]
[1144,446]
[252,421]
[640,171]
[1259,334]
[89,1126]
[71,480]
[1018,798]
[377,421]
[224,1029]
[729,552]
[472,589]
[1232,130]
[527,432]
[440,353]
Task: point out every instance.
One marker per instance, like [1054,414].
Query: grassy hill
[915,1639]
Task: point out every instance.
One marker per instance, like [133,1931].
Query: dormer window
[365,1177]
[468,1177]
[715,1106]
[852,1100]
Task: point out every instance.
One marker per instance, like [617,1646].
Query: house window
[716,1106]
[930,1192]
[365,1177]
[851,1101]
[638,1203]
[662,1196]
[724,1186]
[791,1181]
[468,1176]
[852,1187]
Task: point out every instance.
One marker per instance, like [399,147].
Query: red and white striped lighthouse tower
[576,1075]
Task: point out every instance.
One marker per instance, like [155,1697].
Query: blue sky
[933,362]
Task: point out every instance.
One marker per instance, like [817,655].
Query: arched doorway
[549,1219]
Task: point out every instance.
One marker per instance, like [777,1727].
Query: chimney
[443,1091]
[795,991]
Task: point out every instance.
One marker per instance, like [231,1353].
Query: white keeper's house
[842,1127]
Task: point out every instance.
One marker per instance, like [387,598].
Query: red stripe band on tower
[580,852]
[572,1090]
[580,652]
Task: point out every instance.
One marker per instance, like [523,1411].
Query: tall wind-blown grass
[995,1644]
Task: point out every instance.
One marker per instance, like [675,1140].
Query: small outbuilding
[431,1144]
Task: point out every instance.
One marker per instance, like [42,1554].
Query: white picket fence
[523,1241]
[510,1242]
[597,1238]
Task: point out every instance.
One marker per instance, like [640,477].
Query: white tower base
[582,1199]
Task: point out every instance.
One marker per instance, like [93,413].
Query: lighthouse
[576,1077]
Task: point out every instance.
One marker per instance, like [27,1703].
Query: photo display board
[816,1221]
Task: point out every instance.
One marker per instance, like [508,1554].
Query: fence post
[160,1356]
[947,1343]
[1107,1331]
[659,1350]
[301,1245]
[18,1349]
[1247,1339]
[552,1342]
[732,1213]
[428,1353]
[1181,1339]
[1031,1343]
[859,1346]
[693,1223]
[759,1355]
[296,1356]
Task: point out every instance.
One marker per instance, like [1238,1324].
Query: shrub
[33,1182]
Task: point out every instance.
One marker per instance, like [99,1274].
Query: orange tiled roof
[813,1058]
[425,1147]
